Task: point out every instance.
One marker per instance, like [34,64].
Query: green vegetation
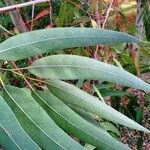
[76,78]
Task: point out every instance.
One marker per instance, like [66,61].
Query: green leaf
[110,127]
[140,143]
[75,125]
[62,14]
[71,94]
[146,18]
[36,121]
[102,86]
[69,67]
[113,93]
[147,96]
[99,94]
[12,136]
[139,115]
[148,107]
[41,41]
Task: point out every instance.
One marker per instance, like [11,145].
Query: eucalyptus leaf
[71,67]
[36,121]
[71,94]
[110,92]
[147,96]
[12,135]
[74,124]
[41,41]
[110,127]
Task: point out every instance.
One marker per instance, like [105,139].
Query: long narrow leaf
[71,94]
[36,121]
[42,41]
[72,123]
[69,67]
[12,135]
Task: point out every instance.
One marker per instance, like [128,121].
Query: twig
[4,29]
[33,9]
[17,6]
[16,18]
[50,13]
[98,21]
[107,13]
[15,66]
[139,20]
[139,34]
[32,79]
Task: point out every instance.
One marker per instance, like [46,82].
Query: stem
[139,20]
[134,54]
[97,15]
[15,66]
[32,79]
[107,13]
[5,30]
[99,94]
[50,13]
[139,34]
[17,6]
[31,28]
[16,17]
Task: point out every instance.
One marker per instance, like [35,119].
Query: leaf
[75,125]
[99,94]
[110,127]
[113,93]
[139,115]
[41,14]
[148,107]
[12,136]
[102,86]
[36,121]
[146,18]
[71,67]
[62,14]
[71,94]
[147,96]
[41,41]
[140,143]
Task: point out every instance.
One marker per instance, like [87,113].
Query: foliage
[57,94]
[31,112]
[146,18]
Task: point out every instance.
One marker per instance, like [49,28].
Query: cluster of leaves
[38,112]
[57,114]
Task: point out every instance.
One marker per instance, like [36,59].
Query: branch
[16,18]
[107,13]
[139,34]
[17,6]
[15,66]
[139,20]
